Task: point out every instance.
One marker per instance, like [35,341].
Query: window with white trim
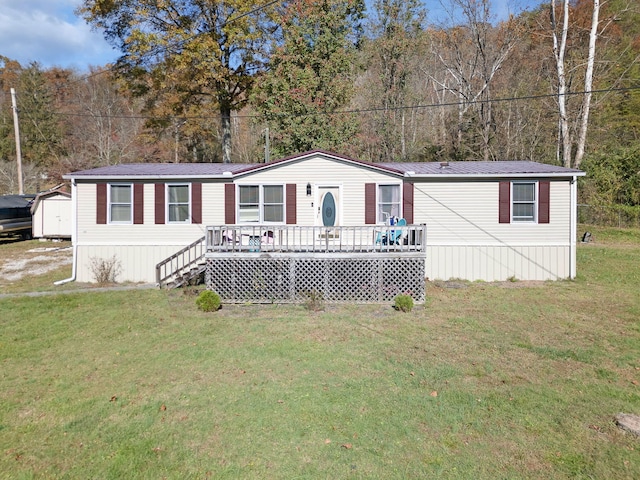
[523,201]
[120,203]
[261,203]
[389,202]
[178,203]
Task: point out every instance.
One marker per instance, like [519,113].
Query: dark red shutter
[196,203]
[101,203]
[370,203]
[229,203]
[504,202]
[138,203]
[292,216]
[543,201]
[159,203]
[407,202]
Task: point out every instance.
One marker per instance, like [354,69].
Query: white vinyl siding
[149,233]
[178,203]
[466,213]
[464,237]
[491,263]
[318,172]
[120,203]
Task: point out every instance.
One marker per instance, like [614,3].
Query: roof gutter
[122,178]
[489,176]
[74,235]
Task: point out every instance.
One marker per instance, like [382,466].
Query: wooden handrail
[180,262]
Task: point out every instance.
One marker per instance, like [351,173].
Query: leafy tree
[613,177]
[41,136]
[187,53]
[311,76]
[9,76]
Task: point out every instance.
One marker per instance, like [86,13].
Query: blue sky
[47,31]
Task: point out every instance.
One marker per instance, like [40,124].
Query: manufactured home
[353,230]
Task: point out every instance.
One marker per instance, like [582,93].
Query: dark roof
[161,170]
[230,170]
[15,201]
[497,168]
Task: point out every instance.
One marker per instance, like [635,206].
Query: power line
[365,110]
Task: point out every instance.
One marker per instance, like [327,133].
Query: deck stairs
[185,267]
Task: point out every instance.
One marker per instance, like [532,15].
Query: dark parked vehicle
[15,215]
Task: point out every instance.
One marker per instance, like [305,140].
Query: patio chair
[267,239]
[231,239]
[393,236]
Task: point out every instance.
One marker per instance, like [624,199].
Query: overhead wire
[367,110]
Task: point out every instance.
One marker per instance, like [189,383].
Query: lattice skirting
[280,279]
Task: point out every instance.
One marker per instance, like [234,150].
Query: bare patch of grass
[27,266]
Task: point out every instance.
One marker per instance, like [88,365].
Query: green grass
[487,382]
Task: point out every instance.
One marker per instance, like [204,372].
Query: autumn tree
[103,124]
[311,76]
[187,53]
[391,49]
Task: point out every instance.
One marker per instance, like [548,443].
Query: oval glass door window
[328,210]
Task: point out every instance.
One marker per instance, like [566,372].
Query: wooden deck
[282,239]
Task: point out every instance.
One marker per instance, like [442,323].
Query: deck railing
[303,239]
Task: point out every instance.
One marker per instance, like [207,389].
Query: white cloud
[48,32]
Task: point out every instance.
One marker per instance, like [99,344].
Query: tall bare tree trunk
[588,85]
[559,50]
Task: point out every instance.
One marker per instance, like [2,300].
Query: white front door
[328,208]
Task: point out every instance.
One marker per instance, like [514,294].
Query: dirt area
[35,261]
[456,284]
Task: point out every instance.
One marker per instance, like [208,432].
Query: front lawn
[487,381]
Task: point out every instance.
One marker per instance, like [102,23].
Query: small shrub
[403,302]
[105,270]
[209,301]
[315,301]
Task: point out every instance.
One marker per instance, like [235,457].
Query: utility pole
[16,128]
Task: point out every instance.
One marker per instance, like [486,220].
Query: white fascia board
[128,178]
